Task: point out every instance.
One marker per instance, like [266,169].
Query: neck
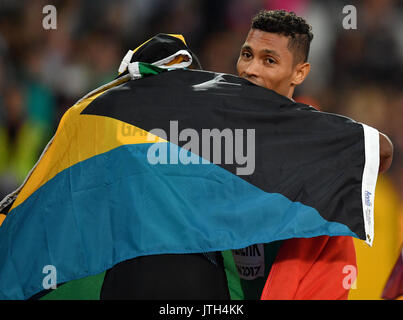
[290,93]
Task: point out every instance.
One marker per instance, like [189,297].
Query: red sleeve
[320,268]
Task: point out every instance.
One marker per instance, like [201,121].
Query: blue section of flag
[117,205]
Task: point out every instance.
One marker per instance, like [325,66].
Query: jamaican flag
[168,159]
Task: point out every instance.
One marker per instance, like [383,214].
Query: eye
[246,54]
[270,60]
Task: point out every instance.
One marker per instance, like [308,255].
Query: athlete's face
[266,61]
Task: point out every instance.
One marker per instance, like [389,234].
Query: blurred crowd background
[355,72]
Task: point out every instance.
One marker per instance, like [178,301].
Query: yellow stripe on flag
[2,217]
[78,138]
[179,36]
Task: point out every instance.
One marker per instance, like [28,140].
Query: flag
[167,159]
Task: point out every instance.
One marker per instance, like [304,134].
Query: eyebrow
[266,51]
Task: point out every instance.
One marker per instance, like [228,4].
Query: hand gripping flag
[166,159]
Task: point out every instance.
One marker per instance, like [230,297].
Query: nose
[251,70]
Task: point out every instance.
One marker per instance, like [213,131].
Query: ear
[300,73]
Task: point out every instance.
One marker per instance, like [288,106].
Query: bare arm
[385,152]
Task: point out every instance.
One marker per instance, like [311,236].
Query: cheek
[269,78]
[275,77]
[239,66]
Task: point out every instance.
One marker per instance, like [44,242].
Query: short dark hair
[288,24]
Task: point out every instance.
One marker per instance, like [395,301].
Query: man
[167,216]
[274,56]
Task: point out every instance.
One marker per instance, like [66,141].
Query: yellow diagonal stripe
[179,36]
[2,217]
[80,137]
